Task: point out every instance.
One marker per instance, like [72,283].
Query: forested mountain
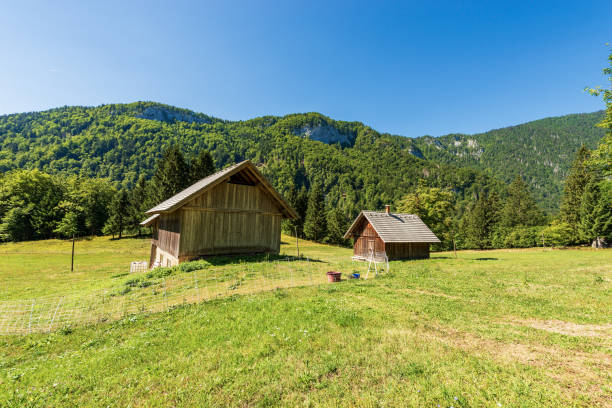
[541,151]
[355,166]
[353,162]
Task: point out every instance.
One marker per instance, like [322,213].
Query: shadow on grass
[253,258]
[486,259]
[131,237]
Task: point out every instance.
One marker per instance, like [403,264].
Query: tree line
[35,205]
[514,220]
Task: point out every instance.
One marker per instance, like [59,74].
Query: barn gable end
[234,211]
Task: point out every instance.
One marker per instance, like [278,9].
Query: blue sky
[408,68]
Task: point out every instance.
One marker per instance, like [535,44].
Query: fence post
[30,319]
[206,285]
[54,314]
[165,298]
[277,276]
[196,286]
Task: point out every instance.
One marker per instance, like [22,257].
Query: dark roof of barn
[245,167]
[392,227]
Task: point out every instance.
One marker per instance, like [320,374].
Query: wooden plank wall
[169,233]
[368,234]
[230,218]
[407,250]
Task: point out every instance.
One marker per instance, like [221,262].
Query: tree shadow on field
[486,259]
[136,236]
[441,257]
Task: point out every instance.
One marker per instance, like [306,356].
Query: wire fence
[147,294]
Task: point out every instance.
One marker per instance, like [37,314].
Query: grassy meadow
[510,328]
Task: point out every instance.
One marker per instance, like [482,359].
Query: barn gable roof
[392,227]
[245,170]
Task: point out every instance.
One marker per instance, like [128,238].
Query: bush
[186,267]
[558,234]
[523,237]
[498,238]
[193,266]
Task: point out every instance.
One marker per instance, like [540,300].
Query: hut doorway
[371,244]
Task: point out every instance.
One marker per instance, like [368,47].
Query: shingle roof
[179,199]
[395,227]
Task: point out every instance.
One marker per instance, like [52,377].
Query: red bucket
[333,276]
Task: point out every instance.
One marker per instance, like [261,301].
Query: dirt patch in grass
[568,328]
[577,373]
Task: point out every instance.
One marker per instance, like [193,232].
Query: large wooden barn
[234,211]
[398,236]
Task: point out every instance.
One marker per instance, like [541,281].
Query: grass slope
[525,328]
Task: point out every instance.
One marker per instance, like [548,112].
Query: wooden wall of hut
[168,233]
[366,240]
[229,219]
[407,250]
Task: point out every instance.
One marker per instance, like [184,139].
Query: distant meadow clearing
[509,328]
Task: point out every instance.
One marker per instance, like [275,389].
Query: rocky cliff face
[416,152]
[168,115]
[324,133]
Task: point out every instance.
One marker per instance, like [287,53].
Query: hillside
[541,151]
[123,142]
[115,141]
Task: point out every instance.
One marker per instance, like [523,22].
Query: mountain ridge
[122,142]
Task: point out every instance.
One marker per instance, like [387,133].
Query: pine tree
[119,214]
[337,224]
[603,211]
[171,175]
[290,226]
[139,203]
[301,207]
[596,210]
[298,200]
[315,224]
[481,221]
[574,189]
[201,166]
[520,208]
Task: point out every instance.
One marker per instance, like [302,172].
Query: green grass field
[510,328]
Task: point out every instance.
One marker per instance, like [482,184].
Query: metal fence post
[54,314]
[195,278]
[30,319]
[165,298]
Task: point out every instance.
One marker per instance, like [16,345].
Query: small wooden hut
[398,236]
[234,211]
